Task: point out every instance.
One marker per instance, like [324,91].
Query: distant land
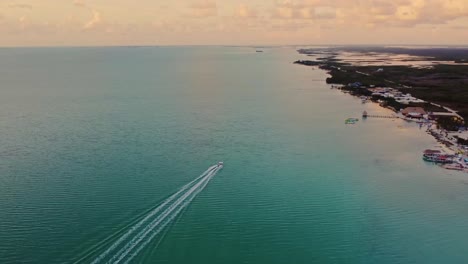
[438,75]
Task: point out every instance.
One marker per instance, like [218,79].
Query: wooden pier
[379,116]
[366,115]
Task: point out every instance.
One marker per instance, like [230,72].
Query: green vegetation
[462,141]
[449,123]
[349,74]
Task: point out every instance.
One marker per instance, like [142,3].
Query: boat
[351,120]
[432,152]
[437,156]
[455,166]
[220,164]
[444,159]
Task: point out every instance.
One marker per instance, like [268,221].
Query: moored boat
[439,159]
[455,166]
[437,156]
[351,120]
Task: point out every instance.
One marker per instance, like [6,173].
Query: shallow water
[91,139]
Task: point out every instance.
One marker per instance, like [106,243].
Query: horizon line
[229,45]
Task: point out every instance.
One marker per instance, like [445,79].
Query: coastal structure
[400,97]
[433,115]
[407,99]
[414,112]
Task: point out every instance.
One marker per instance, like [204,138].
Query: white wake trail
[172,217]
[142,234]
[150,214]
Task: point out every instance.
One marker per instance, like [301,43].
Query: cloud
[420,12]
[204,4]
[306,9]
[23,22]
[363,13]
[245,11]
[459,27]
[21,6]
[324,12]
[286,9]
[95,21]
[209,21]
[79,3]
[205,8]
[407,13]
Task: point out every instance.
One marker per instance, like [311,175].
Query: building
[407,98]
[437,114]
[414,112]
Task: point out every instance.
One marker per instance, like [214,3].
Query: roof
[443,114]
[431,151]
[413,110]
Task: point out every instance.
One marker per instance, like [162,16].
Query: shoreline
[448,141]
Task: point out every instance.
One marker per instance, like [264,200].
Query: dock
[380,116]
[366,115]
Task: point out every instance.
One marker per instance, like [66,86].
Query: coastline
[448,142]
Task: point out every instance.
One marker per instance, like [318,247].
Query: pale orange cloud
[244,11]
[20,5]
[104,22]
[306,9]
[203,8]
[80,3]
[95,21]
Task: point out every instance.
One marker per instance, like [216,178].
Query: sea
[95,141]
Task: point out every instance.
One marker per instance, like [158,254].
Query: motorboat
[363,99]
[220,164]
[437,156]
[351,120]
[456,166]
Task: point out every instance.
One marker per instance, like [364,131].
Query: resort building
[407,98]
[413,112]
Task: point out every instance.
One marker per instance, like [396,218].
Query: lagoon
[92,138]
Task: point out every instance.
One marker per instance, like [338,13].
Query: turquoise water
[91,139]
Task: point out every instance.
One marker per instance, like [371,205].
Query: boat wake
[151,226]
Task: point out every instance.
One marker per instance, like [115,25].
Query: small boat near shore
[437,156]
[351,120]
[444,159]
[454,166]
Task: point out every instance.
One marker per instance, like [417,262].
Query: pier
[380,116]
[366,115]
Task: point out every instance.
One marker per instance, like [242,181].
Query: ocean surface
[93,139]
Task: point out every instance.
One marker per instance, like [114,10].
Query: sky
[231,22]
